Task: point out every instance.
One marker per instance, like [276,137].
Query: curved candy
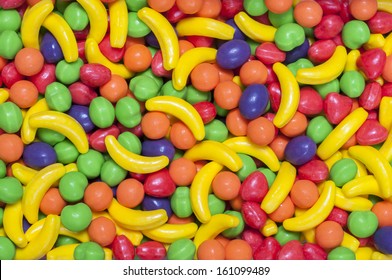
[364,185]
[118,15]
[27,133]
[13,224]
[253,29]
[97,16]
[351,203]
[208,27]
[168,233]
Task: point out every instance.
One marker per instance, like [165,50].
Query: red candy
[274,94]
[159,184]
[174,15]
[329,27]
[123,248]
[268,53]
[230,8]
[254,187]
[206,110]
[371,133]
[94,74]
[253,237]
[338,215]
[292,250]
[81,94]
[45,77]
[337,107]
[329,6]
[253,215]
[151,250]
[371,96]
[315,170]
[10,75]
[268,250]
[157,66]
[380,23]
[113,54]
[321,51]
[97,138]
[372,62]
[313,251]
[310,101]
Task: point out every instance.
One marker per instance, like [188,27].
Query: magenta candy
[151,250]
[45,77]
[338,215]
[123,248]
[274,95]
[10,75]
[380,23]
[329,27]
[230,8]
[371,133]
[371,96]
[329,6]
[386,89]
[113,54]
[310,101]
[345,14]
[268,53]
[253,215]
[94,74]
[81,35]
[174,14]
[81,94]
[315,170]
[313,251]
[337,107]
[253,237]
[157,66]
[292,250]
[320,51]
[201,41]
[82,50]
[206,110]
[372,62]
[254,187]
[268,250]
[97,138]
[372,115]
[159,184]
[11,4]
[140,177]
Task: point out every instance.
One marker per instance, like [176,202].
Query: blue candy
[158,147]
[254,101]
[39,155]
[51,49]
[154,203]
[233,54]
[237,33]
[81,114]
[300,150]
[298,52]
[383,239]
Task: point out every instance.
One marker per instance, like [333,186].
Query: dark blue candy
[51,49]
[152,40]
[39,155]
[299,52]
[300,150]
[237,33]
[154,203]
[233,54]
[254,101]
[158,147]
[383,239]
[81,114]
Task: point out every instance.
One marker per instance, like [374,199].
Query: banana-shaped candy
[168,233]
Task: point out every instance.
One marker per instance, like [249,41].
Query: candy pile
[195,129]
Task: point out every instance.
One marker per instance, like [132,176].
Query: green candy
[127,112]
[324,89]
[72,186]
[76,217]
[341,253]
[352,83]
[194,95]
[299,64]
[3,169]
[150,74]
[65,240]
[10,20]
[11,44]
[220,111]
[130,142]
[90,163]
[89,251]
[362,224]
[49,136]
[181,249]
[180,202]
[11,190]
[136,5]
[76,16]
[102,112]
[355,33]
[343,171]
[144,87]
[11,117]
[7,248]
[318,129]
[255,7]
[61,5]
[278,20]
[216,131]
[289,36]
[269,175]
[112,174]
[283,236]
[235,231]
[58,97]
[253,46]
[1,216]
[168,90]
[68,72]
[136,27]
[215,204]
[248,166]
[66,152]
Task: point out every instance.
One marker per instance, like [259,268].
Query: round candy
[11,118]
[341,253]
[72,186]
[24,94]
[234,231]
[130,193]
[76,16]
[39,155]
[9,20]
[238,249]
[98,196]
[329,234]
[382,239]
[76,217]
[89,251]
[181,249]
[233,54]
[7,248]
[226,185]
[355,33]
[101,112]
[211,250]
[300,150]
[288,36]
[50,136]
[127,112]
[102,230]
[11,190]
[161,147]
[90,163]
[111,173]
[215,204]
[254,101]
[66,152]
[180,202]
[362,224]
[343,171]
[11,148]
[51,49]
[52,202]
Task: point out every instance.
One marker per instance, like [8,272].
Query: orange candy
[363,9]
[181,136]
[236,123]
[278,145]
[211,250]
[11,147]
[130,193]
[29,61]
[253,72]
[304,193]
[285,210]
[3,62]
[296,126]
[52,202]
[329,234]
[261,131]
[115,89]
[226,185]
[137,58]
[175,220]
[308,13]
[236,203]
[210,9]
[155,125]
[24,94]
[224,74]
[189,6]
[227,95]
[238,249]
[278,7]
[383,211]
[204,77]
[102,230]
[161,5]
[387,73]
[98,196]
[182,171]
[185,45]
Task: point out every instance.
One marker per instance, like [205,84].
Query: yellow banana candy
[32,22]
[270,228]
[342,133]
[387,48]
[64,124]
[165,34]
[384,112]
[64,35]
[364,253]
[375,41]
[325,72]
[168,233]
[4,95]
[384,5]
[350,242]
[13,224]
[217,224]
[27,133]
[350,204]
[43,243]
[64,252]
[94,55]
[351,62]
[23,173]
[215,151]
[380,256]
[37,187]
[280,188]
[253,29]
[290,95]
[317,213]
[181,109]
[97,16]
[386,148]
[361,168]
[136,219]
[364,185]
[201,188]
[310,235]
[242,144]
[377,164]
[202,26]
[189,60]
[131,161]
[118,15]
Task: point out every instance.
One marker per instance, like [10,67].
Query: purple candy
[237,33]
[39,155]
[81,114]
[152,40]
[299,52]
[254,101]
[154,203]
[233,54]
[300,150]
[383,239]
[51,49]
[160,147]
